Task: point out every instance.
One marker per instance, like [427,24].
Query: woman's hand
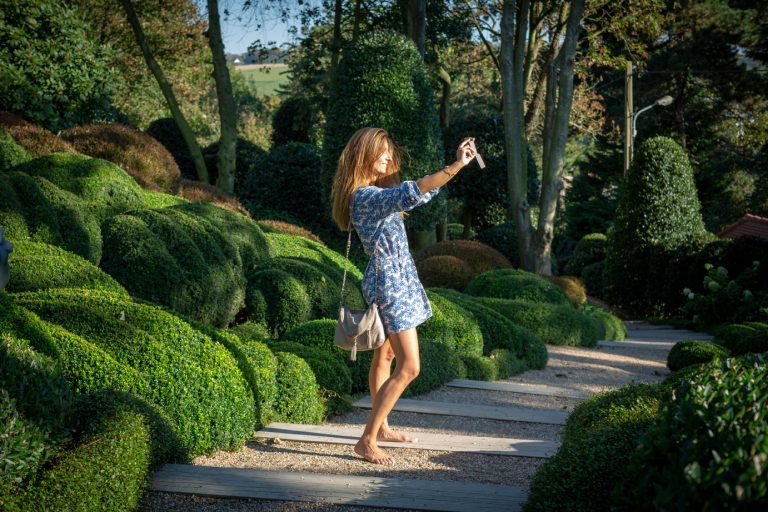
[465,154]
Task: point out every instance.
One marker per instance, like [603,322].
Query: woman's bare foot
[389,435]
[373,454]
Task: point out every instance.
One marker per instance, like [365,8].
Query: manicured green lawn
[266,78]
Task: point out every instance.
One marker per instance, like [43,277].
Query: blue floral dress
[390,279]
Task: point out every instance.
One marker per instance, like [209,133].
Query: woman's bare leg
[381,368]
[406,348]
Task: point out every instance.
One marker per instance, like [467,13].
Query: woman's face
[382,163]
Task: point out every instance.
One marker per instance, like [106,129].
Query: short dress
[390,279]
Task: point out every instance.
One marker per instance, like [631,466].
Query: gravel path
[592,370]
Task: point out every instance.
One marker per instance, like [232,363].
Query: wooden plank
[666,336]
[337,489]
[427,441]
[661,345]
[519,387]
[524,414]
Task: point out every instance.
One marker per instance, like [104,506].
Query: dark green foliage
[692,352]
[707,449]
[298,397]
[251,331]
[37,210]
[382,81]
[330,373]
[54,70]
[104,188]
[25,446]
[466,334]
[277,299]
[246,153]
[507,363]
[37,266]
[195,381]
[744,338]
[592,276]
[516,285]
[332,262]
[535,355]
[315,333]
[287,179]
[609,326]
[555,324]
[589,250]
[295,120]
[480,367]
[439,364]
[503,238]
[11,153]
[600,436]
[658,212]
[166,132]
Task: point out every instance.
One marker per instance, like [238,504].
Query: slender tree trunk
[170,98]
[358,19]
[416,22]
[336,43]
[227,109]
[514,25]
[558,112]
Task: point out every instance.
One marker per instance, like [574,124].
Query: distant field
[266,78]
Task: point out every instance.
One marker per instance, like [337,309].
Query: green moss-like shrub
[382,81]
[444,271]
[466,334]
[708,448]
[507,363]
[600,436]
[742,339]
[589,250]
[38,266]
[439,364]
[141,156]
[658,211]
[555,324]
[286,228]
[480,367]
[592,275]
[194,380]
[25,446]
[277,299]
[330,373]
[105,188]
[298,397]
[609,326]
[480,257]
[251,331]
[503,238]
[517,285]
[295,120]
[315,333]
[155,200]
[301,249]
[199,192]
[693,352]
[11,153]
[572,287]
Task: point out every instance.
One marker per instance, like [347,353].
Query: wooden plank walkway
[662,345]
[519,387]
[427,441]
[337,489]
[524,414]
[672,336]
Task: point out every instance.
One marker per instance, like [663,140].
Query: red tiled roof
[748,225]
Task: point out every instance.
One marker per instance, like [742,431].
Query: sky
[238,34]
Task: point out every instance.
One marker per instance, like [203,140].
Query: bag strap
[344,279]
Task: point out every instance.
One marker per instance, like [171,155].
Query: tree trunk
[557,115]
[336,43]
[416,22]
[167,90]
[227,108]
[513,27]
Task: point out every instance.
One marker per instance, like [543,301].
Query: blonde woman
[367,194]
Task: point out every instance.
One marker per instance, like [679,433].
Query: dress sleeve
[381,202]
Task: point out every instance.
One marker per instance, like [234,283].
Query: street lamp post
[663,101]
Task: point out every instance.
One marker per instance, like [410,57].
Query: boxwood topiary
[744,338]
[466,334]
[298,397]
[572,287]
[480,368]
[308,251]
[610,327]
[480,257]
[592,275]
[330,373]
[707,449]
[507,363]
[37,266]
[11,153]
[600,436]
[439,364]
[191,378]
[444,271]
[589,250]
[516,284]
[286,228]
[199,192]
[277,299]
[693,352]
[295,120]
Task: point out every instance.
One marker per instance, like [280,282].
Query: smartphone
[477,155]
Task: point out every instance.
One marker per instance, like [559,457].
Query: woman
[368,195]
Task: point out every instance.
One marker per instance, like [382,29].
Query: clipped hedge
[38,266]
[588,251]
[480,257]
[140,155]
[572,287]
[199,192]
[330,373]
[516,285]
[301,249]
[465,335]
[744,338]
[609,326]
[286,228]
[707,449]
[298,397]
[555,324]
[439,364]
[600,436]
[507,363]
[195,381]
[278,300]
[11,153]
[36,140]
[480,368]
[693,352]
[444,271]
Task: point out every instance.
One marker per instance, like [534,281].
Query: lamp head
[664,101]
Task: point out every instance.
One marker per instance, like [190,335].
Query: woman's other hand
[465,154]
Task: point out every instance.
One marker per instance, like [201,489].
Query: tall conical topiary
[382,82]
[658,214]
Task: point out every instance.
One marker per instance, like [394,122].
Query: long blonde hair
[356,169]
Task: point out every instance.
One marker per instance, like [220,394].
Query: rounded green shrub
[744,338]
[535,354]
[439,364]
[658,211]
[11,153]
[708,448]
[589,250]
[315,333]
[609,326]
[572,287]
[693,352]
[444,271]
[480,257]
[330,373]
[38,266]
[516,285]
[503,238]
[507,363]
[600,436]
[555,324]
[286,228]
[194,380]
[104,188]
[480,367]
[137,153]
[592,275]
[277,299]
[151,200]
[295,120]
[301,249]
[382,81]
[466,334]
[246,153]
[166,132]
[298,397]
[251,331]
[199,192]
